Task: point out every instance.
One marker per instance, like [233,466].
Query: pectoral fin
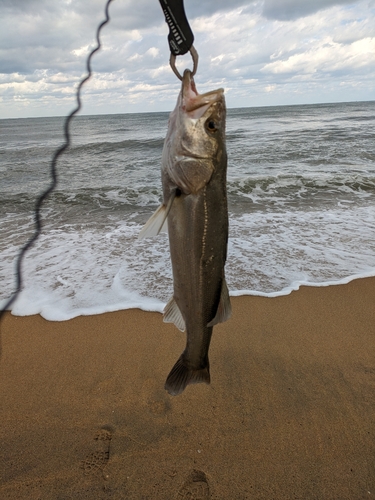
[157,222]
[224,310]
[172,314]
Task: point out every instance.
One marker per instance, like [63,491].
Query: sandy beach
[289,414]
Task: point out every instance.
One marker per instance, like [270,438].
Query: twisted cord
[53,171]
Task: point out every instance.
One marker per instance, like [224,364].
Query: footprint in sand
[154,397]
[195,487]
[98,459]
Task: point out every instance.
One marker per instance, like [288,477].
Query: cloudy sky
[263,52]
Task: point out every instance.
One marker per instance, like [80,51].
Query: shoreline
[151,304]
[289,413]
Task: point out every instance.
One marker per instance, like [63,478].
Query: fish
[195,213]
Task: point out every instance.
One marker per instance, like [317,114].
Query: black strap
[180,36]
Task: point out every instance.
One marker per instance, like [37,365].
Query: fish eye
[211,125]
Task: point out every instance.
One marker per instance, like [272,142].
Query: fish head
[202,116]
[196,136]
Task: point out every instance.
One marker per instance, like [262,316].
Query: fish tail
[181,375]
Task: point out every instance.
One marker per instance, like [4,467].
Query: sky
[262,52]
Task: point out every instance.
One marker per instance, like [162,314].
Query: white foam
[78,270]
[297,284]
[268,252]
[69,273]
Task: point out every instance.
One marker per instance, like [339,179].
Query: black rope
[53,172]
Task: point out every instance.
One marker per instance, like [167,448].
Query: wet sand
[289,414]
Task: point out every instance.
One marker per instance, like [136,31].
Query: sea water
[301,191]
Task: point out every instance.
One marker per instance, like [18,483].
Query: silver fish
[194,205]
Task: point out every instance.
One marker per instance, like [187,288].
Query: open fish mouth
[193,103]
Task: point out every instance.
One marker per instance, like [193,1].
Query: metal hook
[194,55]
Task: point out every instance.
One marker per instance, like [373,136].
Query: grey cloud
[34,38]
[133,15]
[142,14]
[285,10]
[22,5]
[37,34]
[196,8]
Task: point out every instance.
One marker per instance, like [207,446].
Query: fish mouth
[193,103]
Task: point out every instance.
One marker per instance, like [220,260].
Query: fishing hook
[194,55]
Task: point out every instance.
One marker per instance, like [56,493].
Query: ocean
[301,191]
